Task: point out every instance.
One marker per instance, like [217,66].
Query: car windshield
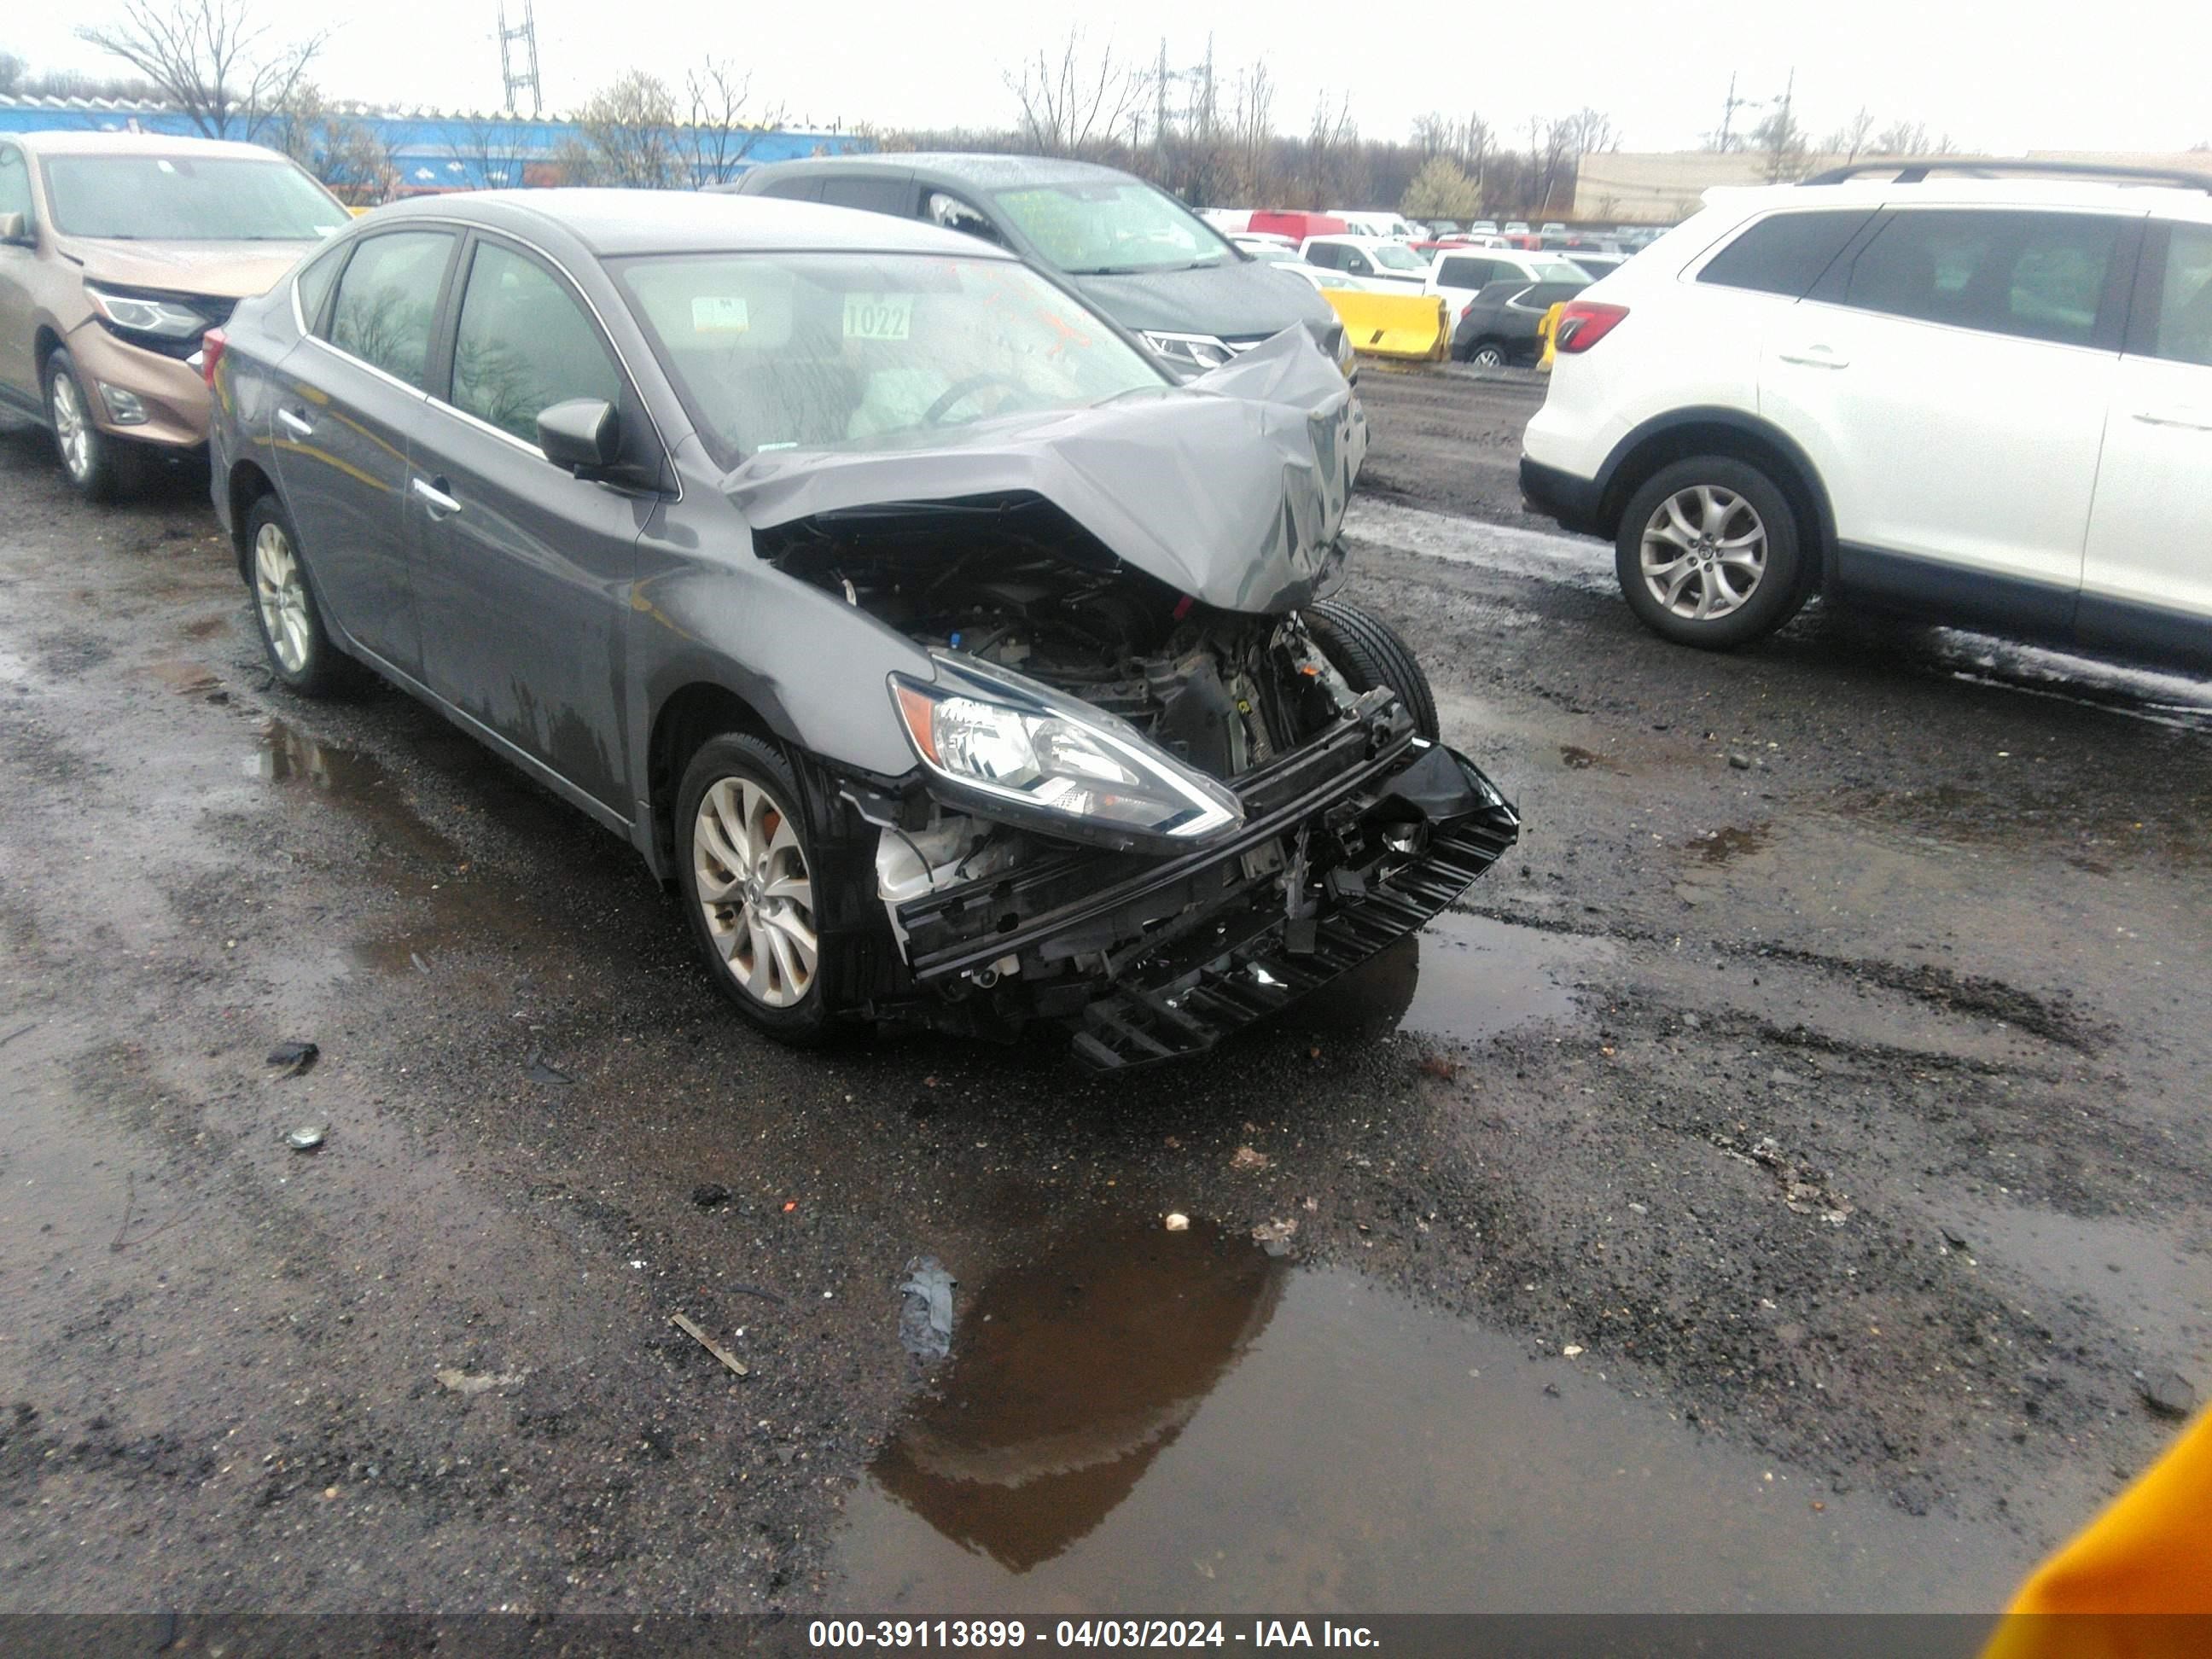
[196,198]
[844,350]
[1119,227]
[1555,271]
[1396,256]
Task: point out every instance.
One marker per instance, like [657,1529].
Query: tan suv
[118,252]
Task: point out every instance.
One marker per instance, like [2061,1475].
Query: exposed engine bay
[1345,826]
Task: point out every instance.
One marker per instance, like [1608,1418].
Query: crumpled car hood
[1231,488]
[228,271]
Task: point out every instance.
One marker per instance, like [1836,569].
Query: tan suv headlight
[142,313]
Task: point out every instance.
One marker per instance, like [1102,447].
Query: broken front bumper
[1348,844]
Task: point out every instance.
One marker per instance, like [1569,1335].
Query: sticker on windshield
[878,316]
[716,313]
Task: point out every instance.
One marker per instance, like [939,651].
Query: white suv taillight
[1583,323]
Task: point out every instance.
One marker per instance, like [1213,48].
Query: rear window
[2038,276]
[1465,273]
[2185,311]
[1785,253]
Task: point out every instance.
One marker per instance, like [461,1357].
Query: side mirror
[14,227]
[583,434]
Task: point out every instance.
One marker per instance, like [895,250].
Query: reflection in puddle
[1139,1419]
[1737,841]
[1461,979]
[289,754]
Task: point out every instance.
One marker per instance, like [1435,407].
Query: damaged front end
[1157,796]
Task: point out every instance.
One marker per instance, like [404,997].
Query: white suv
[1986,401]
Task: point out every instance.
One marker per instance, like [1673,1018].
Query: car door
[2146,575]
[1948,379]
[349,397]
[19,260]
[524,573]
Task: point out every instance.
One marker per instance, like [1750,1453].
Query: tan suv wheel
[88,456]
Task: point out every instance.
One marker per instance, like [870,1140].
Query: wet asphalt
[1781,1184]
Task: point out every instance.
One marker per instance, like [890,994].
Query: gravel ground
[1821,1078]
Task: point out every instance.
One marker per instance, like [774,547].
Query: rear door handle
[431,492]
[1819,356]
[2192,420]
[296,423]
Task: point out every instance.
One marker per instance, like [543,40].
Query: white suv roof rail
[1914,170]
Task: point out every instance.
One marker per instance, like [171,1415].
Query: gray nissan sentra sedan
[956,666]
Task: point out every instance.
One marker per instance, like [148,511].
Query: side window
[525,343]
[313,284]
[15,184]
[947,210]
[2040,275]
[1356,262]
[2185,305]
[872,195]
[387,299]
[1783,253]
[1465,273]
[804,188]
[1325,254]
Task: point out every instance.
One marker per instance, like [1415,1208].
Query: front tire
[1708,554]
[90,459]
[293,638]
[1367,651]
[749,864]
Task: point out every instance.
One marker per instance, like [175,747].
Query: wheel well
[686,720]
[44,344]
[248,484]
[1679,443]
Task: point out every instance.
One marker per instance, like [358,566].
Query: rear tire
[291,622]
[1486,354]
[1368,653]
[1708,554]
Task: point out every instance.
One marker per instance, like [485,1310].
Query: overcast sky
[2127,75]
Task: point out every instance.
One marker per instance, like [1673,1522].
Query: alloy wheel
[72,427]
[1488,357]
[282,595]
[754,885]
[1704,552]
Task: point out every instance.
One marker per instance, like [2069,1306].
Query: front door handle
[431,492]
[2191,420]
[1819,356]
[296,423]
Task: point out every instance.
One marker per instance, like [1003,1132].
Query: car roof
[1353,238]
[1944,191]
[958,167]
[613,222]
[67,142]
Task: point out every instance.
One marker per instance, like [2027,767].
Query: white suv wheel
[1704,552]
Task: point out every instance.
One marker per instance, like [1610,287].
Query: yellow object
[2149,1553]
[1411,326]
[1548,332]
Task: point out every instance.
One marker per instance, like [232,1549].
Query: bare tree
[344,153]
[630,136]
[1782,140]
[1904,138]
[1075,103]
[1849,139]
[212,59]
[719,137]
[1590,132]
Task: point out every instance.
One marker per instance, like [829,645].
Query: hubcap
[72,427]
[282,596]
[756,890]
[1704,552]
[1490,357]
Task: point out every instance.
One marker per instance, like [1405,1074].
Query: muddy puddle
[1135,1419]
[1461,979]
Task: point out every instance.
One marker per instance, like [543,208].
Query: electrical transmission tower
[518,60]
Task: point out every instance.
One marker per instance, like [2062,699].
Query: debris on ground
[735,1365]
[1740,760]
[1804,1189]
[1275,1237]
[1442,1067]
[710,1194]
[1177,1222]
[290,1058]
[925,1321]
[307,1137]
[1244,1158]
[476,1382]
[542,1070]
[2167,1393]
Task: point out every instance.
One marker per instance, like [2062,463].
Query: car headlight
[138,313]
[1012,748]
[1198,351]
